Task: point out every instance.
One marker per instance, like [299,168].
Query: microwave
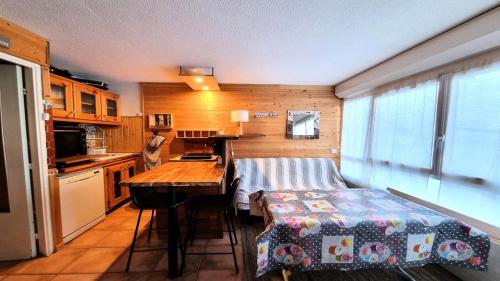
[70,140]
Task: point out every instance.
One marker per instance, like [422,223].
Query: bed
[349,229]
[275,174]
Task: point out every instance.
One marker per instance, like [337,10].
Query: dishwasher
[82,202]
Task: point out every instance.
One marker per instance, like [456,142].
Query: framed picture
[303,124]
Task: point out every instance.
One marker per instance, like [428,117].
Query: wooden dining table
[171,176]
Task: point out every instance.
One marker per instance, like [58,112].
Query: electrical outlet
[334,151]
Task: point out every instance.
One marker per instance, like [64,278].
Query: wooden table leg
[172,235]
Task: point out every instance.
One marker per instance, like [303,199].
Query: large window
[470,180]
[356,113]
[438,140]
[402,139]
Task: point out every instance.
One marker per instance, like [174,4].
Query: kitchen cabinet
[87,102]
[61,96]
[73,101]
[110,107]
[115,174]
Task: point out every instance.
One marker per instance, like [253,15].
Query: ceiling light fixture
[199,78]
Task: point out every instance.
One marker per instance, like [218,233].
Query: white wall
[130,97]
[472,37]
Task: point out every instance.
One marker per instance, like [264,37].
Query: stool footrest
[208,253]
[147,250]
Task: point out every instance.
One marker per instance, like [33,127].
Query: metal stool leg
[193,230]
[133,241]
[187,237]
[226,216]
[234,229]
[151,224]
[183,253]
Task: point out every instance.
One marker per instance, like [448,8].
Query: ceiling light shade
[199,78]
[239,116]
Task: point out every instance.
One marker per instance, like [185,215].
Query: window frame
[443,96]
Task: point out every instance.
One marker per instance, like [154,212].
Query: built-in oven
[70,140]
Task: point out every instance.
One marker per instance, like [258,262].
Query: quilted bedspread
[360,228]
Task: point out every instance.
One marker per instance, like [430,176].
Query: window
[403,137]
[438,140]
[356,114]
[470,181]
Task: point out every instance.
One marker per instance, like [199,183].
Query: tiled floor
[101,254]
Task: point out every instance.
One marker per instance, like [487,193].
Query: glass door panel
[117,189]
[111,107]
[58,97]
[87,102]
[61,96]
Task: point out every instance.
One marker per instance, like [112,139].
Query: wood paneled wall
[128,137]
[24,43]
[211,110]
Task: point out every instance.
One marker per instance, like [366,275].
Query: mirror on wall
[303,124]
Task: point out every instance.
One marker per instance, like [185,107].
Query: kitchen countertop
[92,161]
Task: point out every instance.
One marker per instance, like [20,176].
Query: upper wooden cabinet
[76,102]
[87,102]
[61,95]
[110,104]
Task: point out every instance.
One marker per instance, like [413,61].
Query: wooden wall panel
[211,110]
[128,137]
[24,43]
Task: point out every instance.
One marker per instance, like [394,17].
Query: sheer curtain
[355,119]
[403,137]
[470,181]
[388,137]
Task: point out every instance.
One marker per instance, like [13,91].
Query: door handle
[82,179]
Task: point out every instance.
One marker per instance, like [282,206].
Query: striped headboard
[285,174]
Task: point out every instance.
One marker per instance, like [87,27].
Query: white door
[17,235]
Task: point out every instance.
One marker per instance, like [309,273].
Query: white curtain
[403,137]
[470,183]
[355,118]
[388,139]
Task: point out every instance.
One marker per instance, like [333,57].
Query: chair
[214,203]
[147,198]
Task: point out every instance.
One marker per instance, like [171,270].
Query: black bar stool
[147,198]
[214,203]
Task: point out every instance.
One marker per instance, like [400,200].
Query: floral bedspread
[354,229]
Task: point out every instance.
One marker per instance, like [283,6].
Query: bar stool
[147,198]
[214,203]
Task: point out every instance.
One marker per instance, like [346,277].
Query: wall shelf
[195,134]
[251,136]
